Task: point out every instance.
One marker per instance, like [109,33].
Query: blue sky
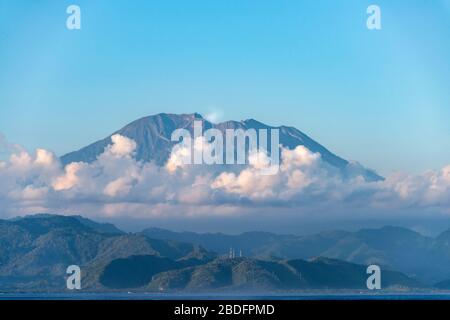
[379,97]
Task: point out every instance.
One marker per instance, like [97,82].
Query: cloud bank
[118,185]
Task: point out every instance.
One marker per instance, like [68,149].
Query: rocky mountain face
[153,139]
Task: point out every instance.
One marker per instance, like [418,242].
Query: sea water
[215,296]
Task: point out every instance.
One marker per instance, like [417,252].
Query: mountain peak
[152,135]
[255,124]
[46,221]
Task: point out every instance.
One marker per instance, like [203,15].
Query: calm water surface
[215,296]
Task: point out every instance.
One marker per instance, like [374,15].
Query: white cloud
[118,185]
[121,146]
[69,179]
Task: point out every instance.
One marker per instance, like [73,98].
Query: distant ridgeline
[36,250]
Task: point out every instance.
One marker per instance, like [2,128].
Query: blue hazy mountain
[36,250]
[395,248]
[152,135]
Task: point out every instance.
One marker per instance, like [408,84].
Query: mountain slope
[425,258]
[153,138]
[36,250]
[260,275]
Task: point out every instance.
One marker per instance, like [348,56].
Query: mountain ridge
[152,135]
[36,250]
[396,248]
